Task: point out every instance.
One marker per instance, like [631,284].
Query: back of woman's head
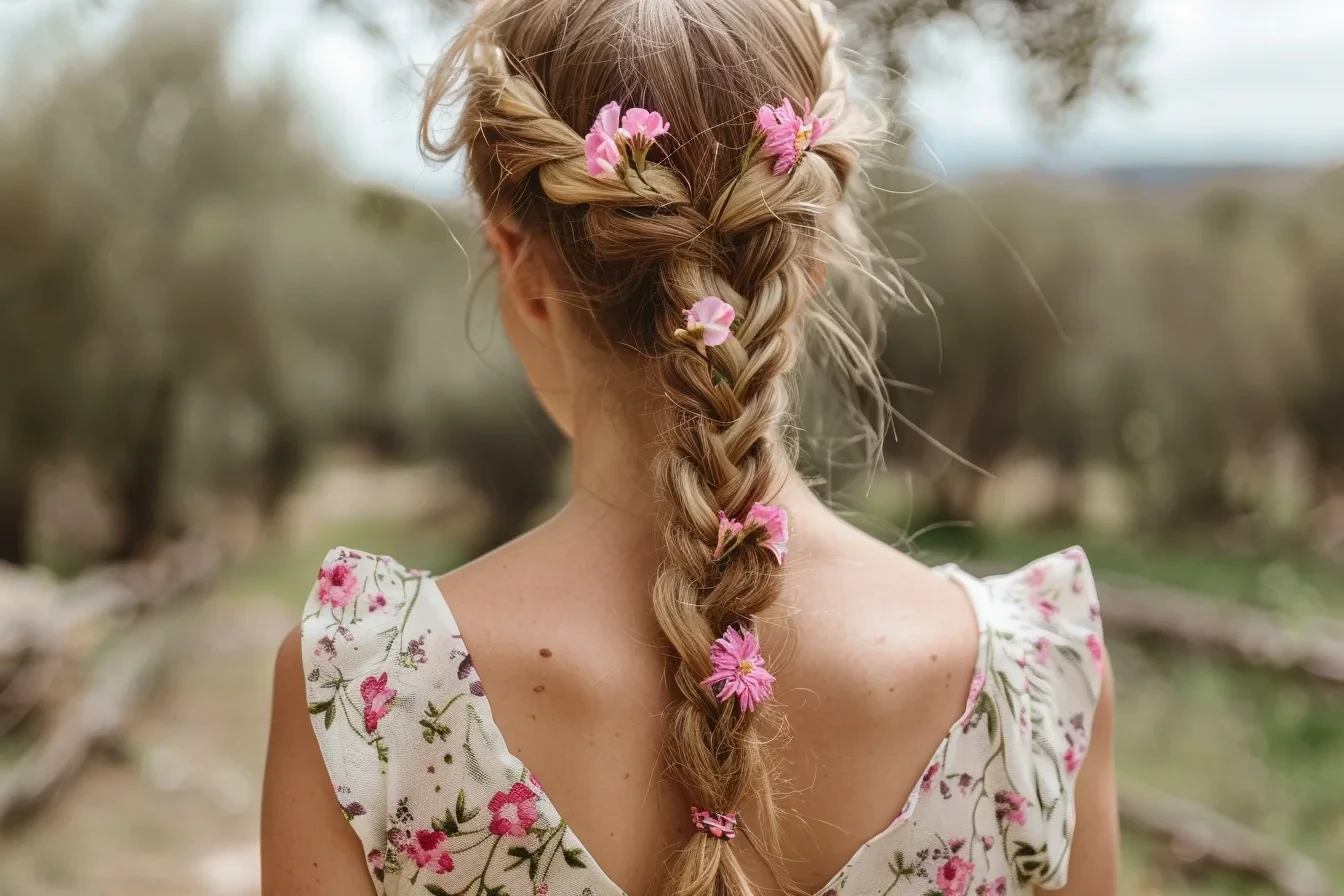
[711,213]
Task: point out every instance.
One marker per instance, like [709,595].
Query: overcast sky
[1226,82]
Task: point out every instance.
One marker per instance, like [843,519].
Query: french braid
[641,248]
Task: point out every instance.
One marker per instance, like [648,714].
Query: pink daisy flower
[600,146]
[427,849]
[514,812]
[775,523]
[739,669]
[377,695]
[337,585]
[954,877]
[709,321]
[788,134]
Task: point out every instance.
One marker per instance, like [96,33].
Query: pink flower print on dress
[376,862]
[926,782]
[1036,577]
[377,695]
[1047,608]
[600,147]
[378,603]
[1042,650]
[739,669]
[337,585]
[326,647]
[1009,805]
[787,134]
[987,842]
[427,849]
[996,887]
[708,323]
[955,844]
[513,812]
[774,521]
[1098,658]
[954,877]
[1073,758]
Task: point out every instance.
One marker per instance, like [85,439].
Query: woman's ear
[521,287]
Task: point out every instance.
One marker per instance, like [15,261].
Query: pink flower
[987,842]
[1047,608]
[514,812]
[926,782]
[788,135]
[428,849]
[337,585]
[377,695]
[325,647]
[955,844]
[600,146]
[996,887]
[377,603]
[954,877]
[739,669]
[1073,758]
[1009,805]
[775,523]
[709,319]
[640,126]
[1036,576]
[1094,648]
[730,530]
[977,687]
[1042,650]
[376,862]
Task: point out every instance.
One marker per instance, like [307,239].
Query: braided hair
[638,249]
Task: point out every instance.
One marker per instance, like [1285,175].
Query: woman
[724,688]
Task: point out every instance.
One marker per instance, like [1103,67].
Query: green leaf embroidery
[446,824]
[436,890]
[574,857]
[315,708]
[463,814]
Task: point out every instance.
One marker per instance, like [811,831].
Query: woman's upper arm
[1095,854]
[307,846]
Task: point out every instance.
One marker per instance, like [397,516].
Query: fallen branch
[1208,625]
[117,684]
[1199,838]
[153,599]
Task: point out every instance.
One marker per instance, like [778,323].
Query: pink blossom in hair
[775,522]
[729,532]
[712,319]
[788,134]
[739,669]
[642,125]
[600,146]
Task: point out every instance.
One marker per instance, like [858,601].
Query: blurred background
[242,322]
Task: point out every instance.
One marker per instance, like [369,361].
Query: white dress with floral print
[443,809]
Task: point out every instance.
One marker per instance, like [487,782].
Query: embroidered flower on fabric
[739,669]
[376,695]
[954,877]
[1094,648]
[513,812]
[1073,758]
[996,887]
[378,603]
[427,849]
[1009,805]
[337,585]
[926,782]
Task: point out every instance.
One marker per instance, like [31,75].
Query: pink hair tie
[715,824]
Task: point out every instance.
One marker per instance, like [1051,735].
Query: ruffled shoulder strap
[1043,672]
[367,631]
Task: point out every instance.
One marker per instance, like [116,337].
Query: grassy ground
[178,813]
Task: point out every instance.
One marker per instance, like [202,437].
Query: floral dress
[443,809]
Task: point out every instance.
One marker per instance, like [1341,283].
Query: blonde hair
[528,78]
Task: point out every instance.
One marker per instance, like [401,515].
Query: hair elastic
[721,825]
